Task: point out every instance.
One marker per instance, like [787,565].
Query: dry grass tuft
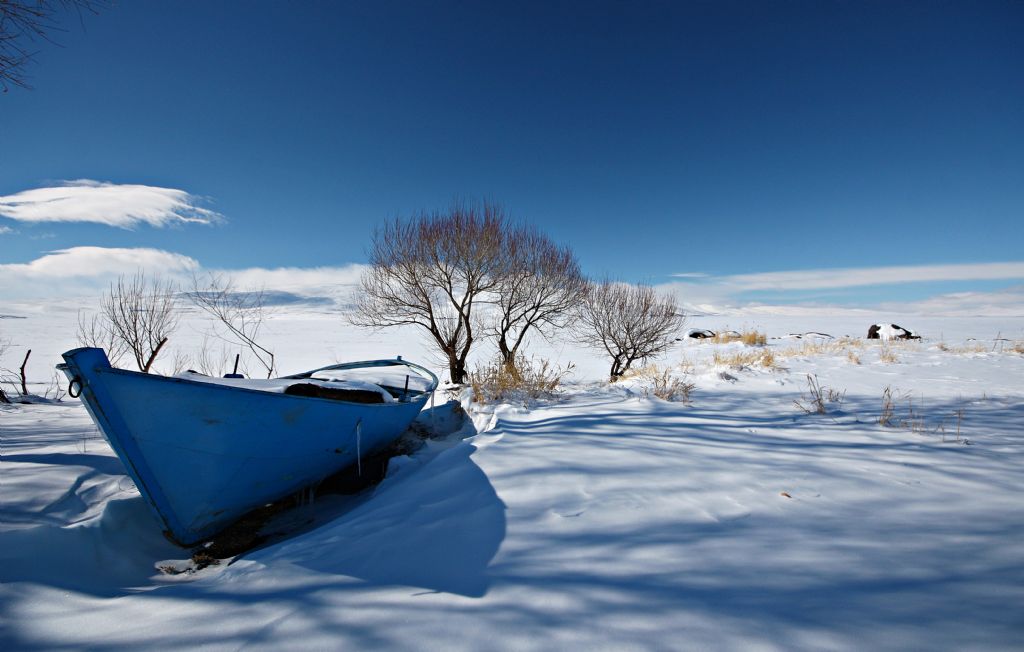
[817,397]
[664,383]
[749,338]
[754,338]
[885,418]
[669,387]
[528,379]
[745,359]
[852,357]
[887,355]
[913,417]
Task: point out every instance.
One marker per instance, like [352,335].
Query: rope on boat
[359,454]
[433,426]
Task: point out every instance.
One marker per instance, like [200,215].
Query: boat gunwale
[306,375]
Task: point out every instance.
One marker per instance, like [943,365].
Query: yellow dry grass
[748,337]
[887,355]
[664,382]
[534,379]
[745,359]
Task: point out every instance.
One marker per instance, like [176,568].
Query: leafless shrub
[240,313]
[17,380]
[631,323]
[527,379]
[142,314]
[431,272]
[213,362]
[539,283]
[818,397]
[95,330]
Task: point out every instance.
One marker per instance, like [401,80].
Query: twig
[24,385]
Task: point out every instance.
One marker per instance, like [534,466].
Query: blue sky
[713,139]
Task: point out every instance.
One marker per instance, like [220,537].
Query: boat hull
[202,455]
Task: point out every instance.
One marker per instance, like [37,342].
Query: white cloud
[94,262]
[817,279]
[690,275]
[5,229]
[296,279]
[730,293]
[87,271]
[1002,303]
[120,205]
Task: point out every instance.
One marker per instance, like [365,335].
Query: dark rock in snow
[699,334]
[890,332]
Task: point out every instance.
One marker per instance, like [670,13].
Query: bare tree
[431,271]
[212,362]
[241,313]
[142,314]
[628,322]
[96,330]
[25,21]
[539,284]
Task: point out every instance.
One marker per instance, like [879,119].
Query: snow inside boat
[204,451]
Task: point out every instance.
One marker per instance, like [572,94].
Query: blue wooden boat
[204,451]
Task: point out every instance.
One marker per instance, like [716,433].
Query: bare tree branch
[142,315]
[240,313]
[430,271]
[25,21]
[630,323]
[95,330]
[538,286]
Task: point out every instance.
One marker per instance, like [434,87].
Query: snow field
[605,519]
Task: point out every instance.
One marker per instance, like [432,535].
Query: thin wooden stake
[24,385]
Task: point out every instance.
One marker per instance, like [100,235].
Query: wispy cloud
[819,279]
[1001,303]
[94,262]
[743,293]
[87,271]
[690,275]
[121,205]
[297,279]
[5,229]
